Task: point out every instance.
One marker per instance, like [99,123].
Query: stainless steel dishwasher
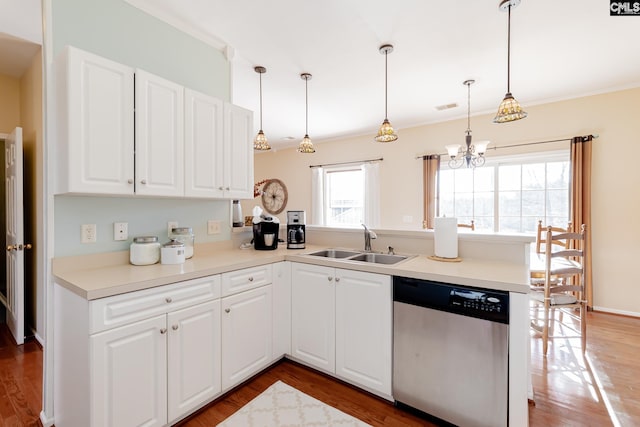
[450,351]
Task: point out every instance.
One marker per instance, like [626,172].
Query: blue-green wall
[118,31]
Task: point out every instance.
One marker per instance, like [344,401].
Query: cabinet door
[238,152]
[159,128]
[364,329]
[129,375]
[95,132]
[193,357]
[246,334]
[313,315]
[281,309]
[204,168]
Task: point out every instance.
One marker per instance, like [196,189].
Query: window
[345,196]
[509,194]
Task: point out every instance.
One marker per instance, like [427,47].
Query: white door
[364,329]
[159,160]
[238,152]
[193,357]
[246,334]
[313,316]
[14,298]
[129,375]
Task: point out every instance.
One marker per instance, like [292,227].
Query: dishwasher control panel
[465,300]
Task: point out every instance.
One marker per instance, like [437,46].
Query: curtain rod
[348,163]
[594,136]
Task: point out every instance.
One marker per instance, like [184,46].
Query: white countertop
[99,276]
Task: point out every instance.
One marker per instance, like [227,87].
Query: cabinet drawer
[249,278]
[107,313]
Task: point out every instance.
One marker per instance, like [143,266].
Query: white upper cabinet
[204,150]
[177,141]
[238,153]
[95,122]
[159,139]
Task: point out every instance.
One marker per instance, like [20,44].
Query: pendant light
[509,109]
[386,132]
[306,146]
[472,155]
[260,143]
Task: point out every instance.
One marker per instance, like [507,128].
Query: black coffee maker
[265,234]
[295,229]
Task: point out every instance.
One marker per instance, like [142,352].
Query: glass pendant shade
[481,147]
[386,132]
[509,110]
[306,146]
[260,143]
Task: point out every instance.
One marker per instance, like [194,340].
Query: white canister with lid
[172,252]
[145,250]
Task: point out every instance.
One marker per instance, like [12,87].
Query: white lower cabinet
[246,334]
[342,324]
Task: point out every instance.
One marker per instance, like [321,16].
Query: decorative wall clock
[274,196]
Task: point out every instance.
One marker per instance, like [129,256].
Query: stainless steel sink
[379,258]
[335,253]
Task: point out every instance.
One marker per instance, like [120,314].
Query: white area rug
[282,405]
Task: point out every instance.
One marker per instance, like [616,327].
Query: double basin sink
[371,257]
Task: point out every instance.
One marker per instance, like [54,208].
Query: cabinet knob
[28,246]
[220,188]
[251,278]
[227,188]
[329,278]
[11,248]
[337,279]
[168,300]
[227,310]
[163,331]
[174,327]
[129,181]
[143,181]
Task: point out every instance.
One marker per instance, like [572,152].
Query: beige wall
[32,127]
[9,103]
[616,199]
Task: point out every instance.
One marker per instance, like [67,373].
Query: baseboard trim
[614,311]
[46,422]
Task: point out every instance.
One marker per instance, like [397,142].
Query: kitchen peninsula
[110,312]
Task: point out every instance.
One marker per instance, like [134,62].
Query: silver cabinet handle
[337,279]
[129,181]
[143,181]
[168,299]
[251,279]
[227,310]
[174,327]
[329,278]
[163,331]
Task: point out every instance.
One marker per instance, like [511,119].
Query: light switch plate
[88,233]
[120,231]
[213,227]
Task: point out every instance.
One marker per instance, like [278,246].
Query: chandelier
[471,155]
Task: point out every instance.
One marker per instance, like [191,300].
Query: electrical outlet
[213,227]
[170,226]
[120,231]
[88,233]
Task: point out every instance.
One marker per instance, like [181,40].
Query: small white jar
[184,235]
[145,250]
[172,252]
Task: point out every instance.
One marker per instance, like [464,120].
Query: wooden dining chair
[563,289]
[471,225]
[541,238]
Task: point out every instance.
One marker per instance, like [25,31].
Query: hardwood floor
[599,390]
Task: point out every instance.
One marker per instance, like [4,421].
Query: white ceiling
[559,50]
[20,35]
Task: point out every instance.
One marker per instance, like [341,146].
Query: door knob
[28,246]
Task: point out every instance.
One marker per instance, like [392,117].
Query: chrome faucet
[368,235]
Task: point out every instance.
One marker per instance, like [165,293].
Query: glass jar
[184,235]
[145,250]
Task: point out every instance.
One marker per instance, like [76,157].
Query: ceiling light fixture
[306,146]
[472,155]
[386,132]
[260,143]
[509,109]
